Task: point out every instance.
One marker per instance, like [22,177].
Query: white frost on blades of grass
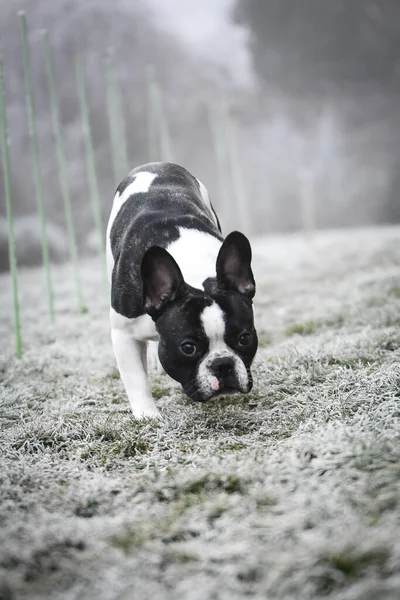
[290,493]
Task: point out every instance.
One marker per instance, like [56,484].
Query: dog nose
[222,367]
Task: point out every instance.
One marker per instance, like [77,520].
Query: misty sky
[346,137]
[207,28]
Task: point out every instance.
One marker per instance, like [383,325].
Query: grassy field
[291,492]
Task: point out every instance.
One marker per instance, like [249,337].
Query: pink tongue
[214,383]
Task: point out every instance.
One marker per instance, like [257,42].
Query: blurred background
[287,110]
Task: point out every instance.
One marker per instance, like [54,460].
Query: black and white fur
[175,280]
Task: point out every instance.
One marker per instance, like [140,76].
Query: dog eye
[188,348]
[244,339]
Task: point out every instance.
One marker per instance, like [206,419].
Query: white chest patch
[140,185]
[213,321]
[196,254]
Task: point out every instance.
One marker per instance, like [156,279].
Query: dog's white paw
[153,362]
[145,408]
[147,415]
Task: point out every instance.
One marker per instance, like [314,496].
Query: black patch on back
[150,219]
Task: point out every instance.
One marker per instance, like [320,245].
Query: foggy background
[312,87]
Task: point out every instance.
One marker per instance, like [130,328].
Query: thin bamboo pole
[90,161]
[116,121]
[236,171]
[7,194]
[217,129]
[55,115]
[158,119]
[152,137]
[36,159]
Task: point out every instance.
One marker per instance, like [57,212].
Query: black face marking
[152,219]
[240,320]
[180,323]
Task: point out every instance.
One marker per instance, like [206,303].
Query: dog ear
[234,265]
[161,278]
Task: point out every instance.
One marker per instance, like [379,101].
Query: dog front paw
[147,415]
[145,409]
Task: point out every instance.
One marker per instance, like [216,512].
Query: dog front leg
[131,359]
[153,362]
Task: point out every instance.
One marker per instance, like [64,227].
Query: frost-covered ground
[292,492]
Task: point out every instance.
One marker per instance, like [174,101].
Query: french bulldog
[176,280]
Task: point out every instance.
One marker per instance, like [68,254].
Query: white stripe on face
[213,321]
[140,185]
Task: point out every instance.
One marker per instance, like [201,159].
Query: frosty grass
[291,492]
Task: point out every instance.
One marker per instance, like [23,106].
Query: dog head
[207,338]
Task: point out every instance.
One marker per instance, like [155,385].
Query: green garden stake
[36,158]
[152,137]
[91,166]
[7,194]
[221,151]
[236,171]
[158,119]
[121,166]
[163,126]
[55,115]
